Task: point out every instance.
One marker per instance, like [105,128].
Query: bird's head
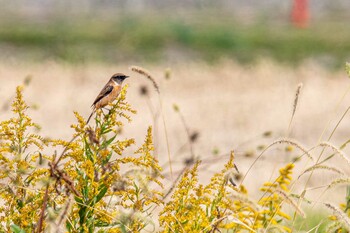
[119,78]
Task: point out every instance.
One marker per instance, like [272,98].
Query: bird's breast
[110,97]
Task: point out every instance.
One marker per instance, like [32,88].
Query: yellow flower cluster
[220,205]
[197,208]
[112,192]
[92,185]
[272,203]
[109,183]
[20,158]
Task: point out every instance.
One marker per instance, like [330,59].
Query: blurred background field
[232,68]
[229,106]
[118,31]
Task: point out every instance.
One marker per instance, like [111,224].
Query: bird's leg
[109,110]
[104,112]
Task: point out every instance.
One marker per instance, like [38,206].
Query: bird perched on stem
[109,93]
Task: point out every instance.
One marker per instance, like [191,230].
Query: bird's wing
[105,91]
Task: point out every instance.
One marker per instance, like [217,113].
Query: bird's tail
[92,113]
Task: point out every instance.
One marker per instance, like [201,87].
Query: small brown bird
[109,93]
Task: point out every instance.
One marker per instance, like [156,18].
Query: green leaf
[100,223]
[347,68]
[85,191]
[69,226]
[19,203]
[106,160]
[82,214]
[16,229]
[79,171]
[82,211]
[100,195]
[78,200]
[108,142]
[88,151]
[123,228]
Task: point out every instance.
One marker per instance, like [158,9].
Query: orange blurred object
[300,13]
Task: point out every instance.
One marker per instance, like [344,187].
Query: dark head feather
[119,77]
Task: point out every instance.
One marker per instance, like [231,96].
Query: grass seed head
[342,217]
[146,74]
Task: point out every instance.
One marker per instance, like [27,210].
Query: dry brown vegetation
[230,106]
[208,111]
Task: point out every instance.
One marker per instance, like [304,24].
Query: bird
[108,93]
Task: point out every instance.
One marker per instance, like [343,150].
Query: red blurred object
[300,13]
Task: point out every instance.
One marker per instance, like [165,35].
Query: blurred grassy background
[156,37]
[227,103]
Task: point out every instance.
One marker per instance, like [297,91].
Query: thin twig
[43,208]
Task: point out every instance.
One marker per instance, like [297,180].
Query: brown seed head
[147,74]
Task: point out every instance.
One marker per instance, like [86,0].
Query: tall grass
[99,182]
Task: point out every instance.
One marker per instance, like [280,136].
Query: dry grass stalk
[64,213]
[324,167]
[172,187]
[333,227]
[296,99]
[245,199]
[42,212]
[295,104]
[293,143]
[340,215]
[339,181]
[336,150]
[273,228]
[145,73]
[291,202]
[283,140]
[215,225]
